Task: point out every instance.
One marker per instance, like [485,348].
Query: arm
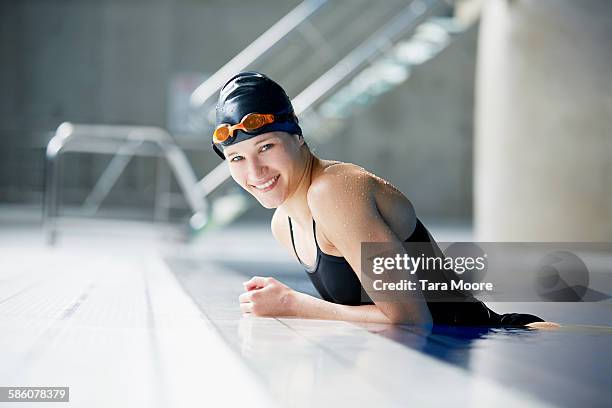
[344,206]
[313,308]
[298,304]
[269,297]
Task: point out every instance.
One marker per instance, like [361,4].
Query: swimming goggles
[249,123]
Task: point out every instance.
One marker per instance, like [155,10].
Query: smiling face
[268,166]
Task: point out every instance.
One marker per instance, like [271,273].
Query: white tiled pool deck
[133,321]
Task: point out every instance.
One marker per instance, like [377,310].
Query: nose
[257,171]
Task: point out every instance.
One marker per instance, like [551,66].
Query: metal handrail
[118,140]
[376,43]
[255,50]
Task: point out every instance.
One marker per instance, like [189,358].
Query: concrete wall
[543,166]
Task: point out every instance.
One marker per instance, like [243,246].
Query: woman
[324,211]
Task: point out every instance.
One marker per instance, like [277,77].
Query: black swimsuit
[336,282]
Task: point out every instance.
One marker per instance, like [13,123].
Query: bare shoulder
[339,180]
[350,192]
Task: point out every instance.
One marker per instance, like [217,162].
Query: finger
[251,287]
[246,307]
[245,297]
[256,282]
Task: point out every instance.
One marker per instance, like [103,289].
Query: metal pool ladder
[123,142]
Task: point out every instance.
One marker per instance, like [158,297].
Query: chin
[270,204]
[271,201]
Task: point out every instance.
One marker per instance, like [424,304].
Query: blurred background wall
[114,62]
[543,168]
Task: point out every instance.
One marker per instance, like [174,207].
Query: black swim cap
[253,92]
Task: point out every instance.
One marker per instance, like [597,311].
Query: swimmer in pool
[324,210]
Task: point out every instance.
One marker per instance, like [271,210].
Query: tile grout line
[154,347]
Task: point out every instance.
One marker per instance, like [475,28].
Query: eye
[236,158]
[267,146]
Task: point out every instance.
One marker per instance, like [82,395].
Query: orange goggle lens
[249,123]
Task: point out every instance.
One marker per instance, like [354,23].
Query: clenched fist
[266,297]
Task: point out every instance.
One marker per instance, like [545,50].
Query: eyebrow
[261,141]
[266,139]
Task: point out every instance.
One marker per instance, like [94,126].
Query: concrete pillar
[543,148]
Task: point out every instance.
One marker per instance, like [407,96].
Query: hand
[266,297]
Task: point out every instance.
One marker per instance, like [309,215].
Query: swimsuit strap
[293,240]
[314,232]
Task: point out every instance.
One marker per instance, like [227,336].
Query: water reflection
[450,344]
[296,371]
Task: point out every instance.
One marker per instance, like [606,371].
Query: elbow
[399,319]
[410,316]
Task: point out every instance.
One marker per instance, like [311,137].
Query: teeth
[266,185]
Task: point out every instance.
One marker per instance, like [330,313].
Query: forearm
[306,306]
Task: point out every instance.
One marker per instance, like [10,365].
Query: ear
[300,139]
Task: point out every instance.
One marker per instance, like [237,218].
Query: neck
[296,205]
